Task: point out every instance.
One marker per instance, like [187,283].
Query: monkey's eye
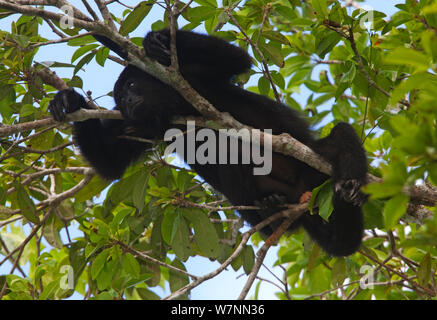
[131,84]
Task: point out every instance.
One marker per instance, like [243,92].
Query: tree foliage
[361,66]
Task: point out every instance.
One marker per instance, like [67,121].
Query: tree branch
[293,212]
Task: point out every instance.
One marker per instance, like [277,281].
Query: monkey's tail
[111,45]
[342,235]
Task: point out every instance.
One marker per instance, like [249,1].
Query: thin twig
[266,71]
[415,285]
[148,258]
[292,215]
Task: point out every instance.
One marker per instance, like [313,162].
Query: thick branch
[79,115]
[32,11]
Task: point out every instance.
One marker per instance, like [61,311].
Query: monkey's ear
[111,45]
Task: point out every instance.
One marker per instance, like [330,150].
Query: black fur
[208,63]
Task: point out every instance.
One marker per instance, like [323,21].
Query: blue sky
[100,81]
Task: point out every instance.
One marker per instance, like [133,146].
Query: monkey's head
[129,92]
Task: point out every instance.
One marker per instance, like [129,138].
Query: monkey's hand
[350,191]
[157,46]
[66,101]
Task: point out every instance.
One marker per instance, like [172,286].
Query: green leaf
[286,12]
[49,290]
[82,50]
[51,233]
[205,234]
[99,263]
[408,57]
[42,141]
[5,212]
[396,20]
[131,265]
[394,209]
[424,272]
[372,214]
[158,25]
[101,55]
[321,8]
[27,109]
[212,3]
[134,19]
[183,180]
[222,18]
[349,76]
[93,188]
[248,257]
[338,274]
[301,22]
[318,279]
[140,190]
[294,64]
[85,60]
[324,199]
[77,257]
[146,294]
[120,217]
[121,190]
[275,36]
[106,275]
[326,42]
[26,205]
[75,82]
[264,86]
[323,194]
[433,173]
[273,53]
[138,280]
[278,79]
[421,80]
[180,238]
[7,98]
[201,13]
[167,224]
[178,280]
[81,41]
[429,42]
[22,40]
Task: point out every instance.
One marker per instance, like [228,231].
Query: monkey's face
[128,97]
[145,101]
[130,102]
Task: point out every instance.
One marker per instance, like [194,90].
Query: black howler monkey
[208,64]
